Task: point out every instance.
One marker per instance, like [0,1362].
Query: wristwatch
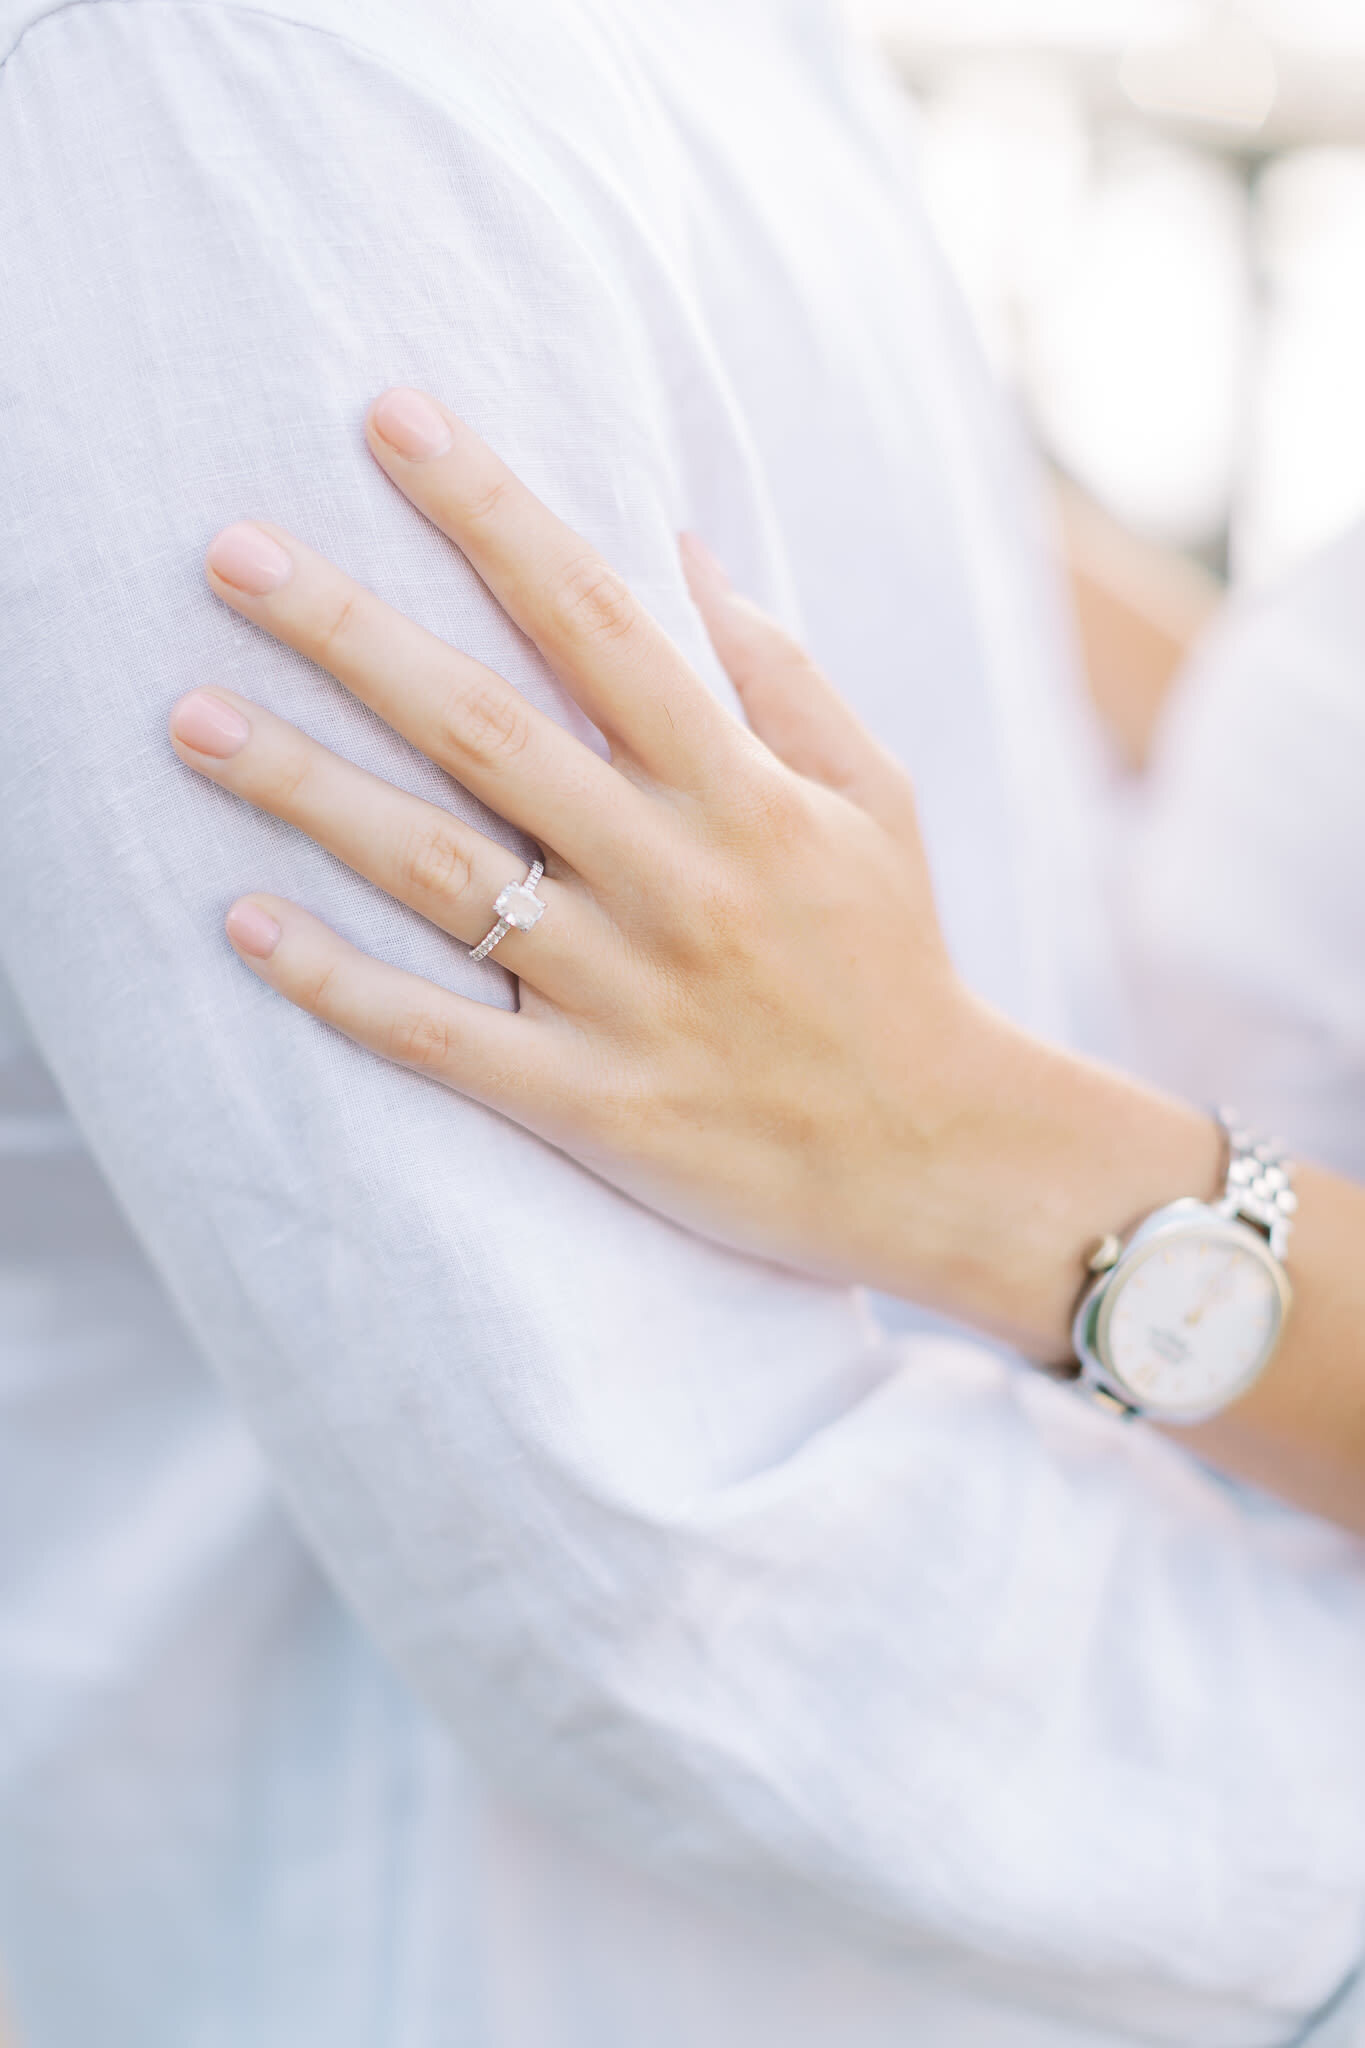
[1182,1318]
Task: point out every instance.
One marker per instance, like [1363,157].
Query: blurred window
[1157,210]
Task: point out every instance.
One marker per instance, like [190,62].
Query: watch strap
[1259,1189]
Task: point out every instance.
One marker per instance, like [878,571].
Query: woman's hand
[738,1005]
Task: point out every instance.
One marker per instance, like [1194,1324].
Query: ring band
[517,909]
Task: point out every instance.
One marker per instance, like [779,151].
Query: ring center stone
[519,906]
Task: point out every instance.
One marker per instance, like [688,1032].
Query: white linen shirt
[685,1660]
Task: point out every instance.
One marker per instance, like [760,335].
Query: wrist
[1040,1154]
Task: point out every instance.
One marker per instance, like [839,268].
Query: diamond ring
[517,909]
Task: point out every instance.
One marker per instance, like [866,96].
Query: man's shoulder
[535,122]
[434,39]
[560,102]
[364,21]
[20,18]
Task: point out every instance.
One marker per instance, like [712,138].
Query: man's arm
[1245,919]
[674,1541]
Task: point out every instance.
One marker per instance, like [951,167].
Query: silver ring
[517,909]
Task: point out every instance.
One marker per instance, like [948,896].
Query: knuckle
[715,921]
[486,724]
[435,863]
[319,991]
[336,625]
[487,500]
[419,1038]
[770,808]
[284,782]
[591,602]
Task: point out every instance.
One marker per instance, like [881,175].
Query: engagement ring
[517,909]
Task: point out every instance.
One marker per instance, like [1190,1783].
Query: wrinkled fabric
[441,1603]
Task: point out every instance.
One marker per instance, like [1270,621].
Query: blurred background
[1157,211]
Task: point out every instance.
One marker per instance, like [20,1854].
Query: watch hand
[1219,1289]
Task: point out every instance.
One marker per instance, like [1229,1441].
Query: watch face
[1192,1320]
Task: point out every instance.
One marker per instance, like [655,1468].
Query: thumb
[790,703]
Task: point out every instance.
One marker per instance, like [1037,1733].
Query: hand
[738,1005]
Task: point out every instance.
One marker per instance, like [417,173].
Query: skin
[738,1006]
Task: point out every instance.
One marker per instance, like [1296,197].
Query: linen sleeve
[680,1546]
[1243,920]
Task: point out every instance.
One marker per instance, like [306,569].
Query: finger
[412,850]
[513,1063]
[616,661]
[790,703]
[458,713]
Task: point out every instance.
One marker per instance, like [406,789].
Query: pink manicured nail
[411,425]
[209,726]
[250,560]
[252,930]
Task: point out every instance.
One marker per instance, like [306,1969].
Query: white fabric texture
[816,1686]
[1242,921]
[1245,924]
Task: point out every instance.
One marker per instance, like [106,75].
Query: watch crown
[1105,1256]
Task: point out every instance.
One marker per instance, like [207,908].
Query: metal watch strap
[1259,1189]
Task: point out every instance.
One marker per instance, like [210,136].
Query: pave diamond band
[517,909]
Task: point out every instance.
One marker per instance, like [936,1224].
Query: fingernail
[252,930]
[210,726]
[698,559]
[249,559]
[411,425]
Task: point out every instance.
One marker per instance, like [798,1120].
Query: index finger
[617,661]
